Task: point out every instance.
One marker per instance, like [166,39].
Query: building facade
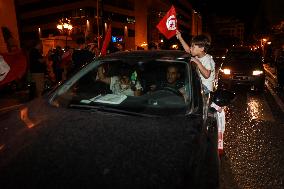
[230,27]
[133,22]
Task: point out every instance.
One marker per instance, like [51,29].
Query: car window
[154,87]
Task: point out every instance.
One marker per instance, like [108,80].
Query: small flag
[106,41]
[168,25]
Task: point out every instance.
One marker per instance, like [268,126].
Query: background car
[83,135]
[242,67]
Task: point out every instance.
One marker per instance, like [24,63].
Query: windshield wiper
[108,109]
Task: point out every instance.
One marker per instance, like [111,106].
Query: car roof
[239,49]
[148,55]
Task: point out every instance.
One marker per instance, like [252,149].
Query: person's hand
[195,60]
[153,87]
[178,34]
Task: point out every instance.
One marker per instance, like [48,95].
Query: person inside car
[173,81]
[125,83]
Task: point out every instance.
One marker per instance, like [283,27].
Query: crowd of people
[59,63]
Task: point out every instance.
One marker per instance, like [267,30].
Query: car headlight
[257,72]
[226,71]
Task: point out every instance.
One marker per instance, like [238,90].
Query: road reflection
[253,145]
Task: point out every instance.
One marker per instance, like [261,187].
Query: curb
[267,70]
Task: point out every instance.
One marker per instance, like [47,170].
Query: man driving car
[173,81]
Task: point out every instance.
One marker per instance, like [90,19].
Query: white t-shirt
[117,88]
[208,62]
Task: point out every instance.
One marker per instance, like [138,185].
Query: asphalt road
[254,142]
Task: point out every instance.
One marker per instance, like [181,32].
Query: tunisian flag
[106,41]
[168,25]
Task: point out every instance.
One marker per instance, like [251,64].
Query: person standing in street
[81,55]
[37,67]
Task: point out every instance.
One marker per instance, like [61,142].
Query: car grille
[240,76]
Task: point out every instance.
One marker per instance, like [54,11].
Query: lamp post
[262,45]
[64,26]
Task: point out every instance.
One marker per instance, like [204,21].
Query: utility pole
[98,23]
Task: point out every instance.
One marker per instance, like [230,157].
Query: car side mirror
[223,97]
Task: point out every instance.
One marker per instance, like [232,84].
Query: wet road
[253,142]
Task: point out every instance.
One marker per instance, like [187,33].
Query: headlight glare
[257,72]
[227,71]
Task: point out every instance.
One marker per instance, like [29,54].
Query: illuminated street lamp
[65,27]
[263,41]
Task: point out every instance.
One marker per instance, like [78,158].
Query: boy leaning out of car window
[205,63]
[206,66]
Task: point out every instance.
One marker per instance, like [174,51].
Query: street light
[64,26]
[263,42]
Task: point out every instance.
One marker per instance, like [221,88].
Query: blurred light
[88,23]
[175,46]
[64,24]
[25,118]
[226,71]
[162,40]
[223,57]
[144,44]
[60,27]
[105,27]
[39,32]
[2,146]
[254,109]
[269,43]
[257,72]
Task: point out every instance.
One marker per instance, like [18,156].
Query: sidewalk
[271,75]
[270,71]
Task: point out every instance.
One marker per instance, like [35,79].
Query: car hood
[68,147]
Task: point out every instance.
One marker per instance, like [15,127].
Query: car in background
[242,66]
[83,135]
[218,54]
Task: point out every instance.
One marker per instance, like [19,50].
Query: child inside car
[124,83]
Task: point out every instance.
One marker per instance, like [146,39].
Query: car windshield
[155,87]
[243,59]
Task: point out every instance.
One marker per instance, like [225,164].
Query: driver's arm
[183,92]
[101,76]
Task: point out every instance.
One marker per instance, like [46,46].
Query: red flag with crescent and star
[168,25]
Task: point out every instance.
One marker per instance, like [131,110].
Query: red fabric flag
[18,66]
[168,25]
[106,41]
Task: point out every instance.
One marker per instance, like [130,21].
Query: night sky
[258,15]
